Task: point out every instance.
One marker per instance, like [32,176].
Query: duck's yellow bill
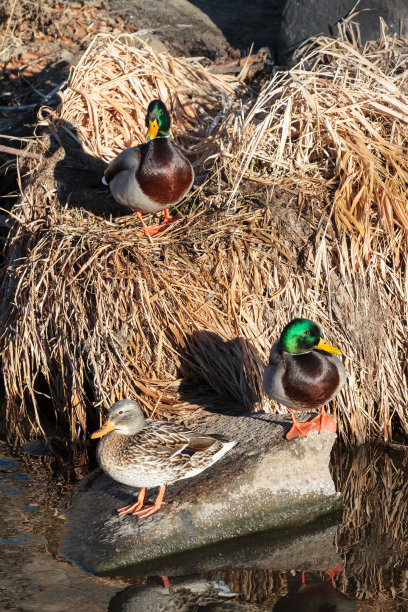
[106,428]
[325,346]
[153,129]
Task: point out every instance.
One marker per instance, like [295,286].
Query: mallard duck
[184,595]
[313,596]
[304,374]
[145,453]
[153,176]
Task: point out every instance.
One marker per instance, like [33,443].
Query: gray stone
[178,24]
[310,547]
[304,18]
[206,26]
[264,482]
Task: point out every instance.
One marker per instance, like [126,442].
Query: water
[366,546]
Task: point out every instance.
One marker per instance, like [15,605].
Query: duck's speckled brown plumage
[153,456]
[143,453]
[186,595]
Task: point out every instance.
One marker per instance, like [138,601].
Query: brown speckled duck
[145,453]
[153,176]
[184,595]
[304,374]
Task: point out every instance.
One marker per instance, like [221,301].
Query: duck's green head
[302,336]
[157,120]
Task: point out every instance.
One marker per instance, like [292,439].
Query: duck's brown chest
[310,379]
[164,174]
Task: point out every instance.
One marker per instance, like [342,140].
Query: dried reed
[98,313]
[112,85]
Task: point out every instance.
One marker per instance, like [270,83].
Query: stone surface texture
[264,482]
[201,27]
[304,18]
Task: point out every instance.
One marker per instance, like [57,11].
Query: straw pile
[334,130]
[92,311]
[111,87]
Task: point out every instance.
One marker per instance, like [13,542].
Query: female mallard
[183,595]
[145,453]
[152,176]
[304,375]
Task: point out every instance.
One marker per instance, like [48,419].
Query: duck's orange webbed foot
[334,571]
[168,218]
[156,229]
[144,512]
[134,508]
[298,429]
[166,582]
[323,422]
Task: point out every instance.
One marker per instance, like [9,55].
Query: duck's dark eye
[307,333]
[120,412]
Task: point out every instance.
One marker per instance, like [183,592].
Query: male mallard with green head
[304,374]
[145,453]
[314,594]
[153,176]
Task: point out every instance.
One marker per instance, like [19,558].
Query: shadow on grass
[222,376]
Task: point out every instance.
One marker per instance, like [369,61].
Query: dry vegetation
[39,41]
[299,209]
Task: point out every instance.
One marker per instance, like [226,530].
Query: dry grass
[98,312]
[112,86]
[334,129]
[338,119]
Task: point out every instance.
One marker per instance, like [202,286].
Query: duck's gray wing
[126,160]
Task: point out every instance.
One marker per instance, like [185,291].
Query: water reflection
[259,572]
[371,540]
[32,575]
[260,590]
[373,535]
[183,595]
[313,593]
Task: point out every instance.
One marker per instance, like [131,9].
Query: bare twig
[21,152]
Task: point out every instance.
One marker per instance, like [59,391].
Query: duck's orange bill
[325,346]
[153,129]
[106,428]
